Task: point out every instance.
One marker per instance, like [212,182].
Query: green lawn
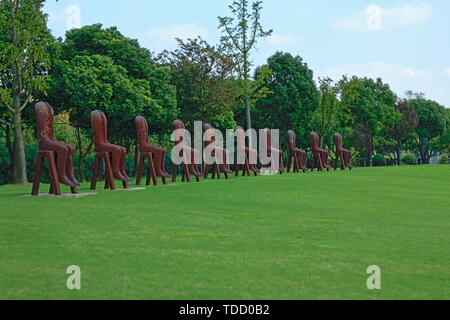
[295,236]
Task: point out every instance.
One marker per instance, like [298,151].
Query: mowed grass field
[294,236]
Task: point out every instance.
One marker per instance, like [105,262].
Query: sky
[406,43]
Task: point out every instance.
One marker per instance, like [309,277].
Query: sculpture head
[315,140]
[178,125]
[141,130]
[44,120]
[337,140]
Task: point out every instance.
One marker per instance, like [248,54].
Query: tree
[241,33]
[292,96]
[432,123]
[203,76]
[404,126]
[24,60]
[369,105]
[325,119]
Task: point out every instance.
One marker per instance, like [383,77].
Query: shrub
[378,160]
[409,160]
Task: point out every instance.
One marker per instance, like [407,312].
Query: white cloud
[447,72]
[375,17]
[71,16]
[400,78]
[164,37]
[277,39]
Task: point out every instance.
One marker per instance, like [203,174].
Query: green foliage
[409,159]
[369,109]
[379,160]
[292,99]
[25,44]
[206,90]
[433,122]
[241,32]
[325,119]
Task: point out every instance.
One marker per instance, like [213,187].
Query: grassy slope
[296,236]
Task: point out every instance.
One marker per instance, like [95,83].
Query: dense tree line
[99,68]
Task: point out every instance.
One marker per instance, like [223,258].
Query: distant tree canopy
[433,122]
[203,76]
[292,97]
[370,108]
[98,68]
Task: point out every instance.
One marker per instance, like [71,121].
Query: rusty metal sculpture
[320,156]
[155,155]
[112,154]
[188,154]
[61,170]
[250,155]
[273,152]
[342,153]
[210,140]
[295,155]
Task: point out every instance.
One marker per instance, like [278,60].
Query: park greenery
[100,68]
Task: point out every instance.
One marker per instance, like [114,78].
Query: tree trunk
[8,141]
[19,175]
[398,154]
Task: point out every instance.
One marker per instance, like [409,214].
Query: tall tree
[404,126]
[241,33]
[292,96]
[203,76]
[325,119]
[24,60]
[432,123]
[370,106]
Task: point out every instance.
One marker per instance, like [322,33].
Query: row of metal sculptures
[60,156]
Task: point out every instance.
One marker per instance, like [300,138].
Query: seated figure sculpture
[272,152]
[344,154]
[190,156]
[296,155]
[62,170]
[320,156]
[251,155]
[113,154]
[154,154]
[210,140]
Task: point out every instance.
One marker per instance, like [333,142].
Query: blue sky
[406,43]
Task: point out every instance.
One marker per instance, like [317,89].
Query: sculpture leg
[290,163]
[69,167]
[139,170]
[54,184]
[62,154]
[343,161]
[37,175]
[174,172]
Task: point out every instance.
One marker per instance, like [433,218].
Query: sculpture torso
[44,120]
[142,131]
[338,141]
[315,141]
